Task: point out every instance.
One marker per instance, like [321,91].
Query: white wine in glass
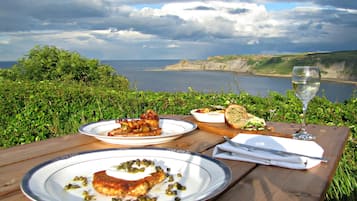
[306,83]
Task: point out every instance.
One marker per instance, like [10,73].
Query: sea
[148,75]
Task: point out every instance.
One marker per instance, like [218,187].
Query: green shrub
[51,63]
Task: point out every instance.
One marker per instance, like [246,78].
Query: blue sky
[276,6]
[177,29]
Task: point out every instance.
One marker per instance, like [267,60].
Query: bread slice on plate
[236,116]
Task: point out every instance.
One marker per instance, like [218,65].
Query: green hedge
[33,111]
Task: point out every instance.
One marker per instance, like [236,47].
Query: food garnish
[82,185]
[254,123]
[87,196]
[135,166]
[71,186]
[82,179]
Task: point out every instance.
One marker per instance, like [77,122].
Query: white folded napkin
[310,148]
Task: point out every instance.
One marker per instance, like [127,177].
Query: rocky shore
[336,72]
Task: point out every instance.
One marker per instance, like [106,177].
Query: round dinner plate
[171,129]
[204,177]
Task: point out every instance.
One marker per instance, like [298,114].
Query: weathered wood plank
[250,181]
[14,196]
[28,151]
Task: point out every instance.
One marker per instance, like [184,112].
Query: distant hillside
[340,65]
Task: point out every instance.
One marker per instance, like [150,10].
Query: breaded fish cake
[112,186]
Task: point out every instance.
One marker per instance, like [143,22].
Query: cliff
[338,66]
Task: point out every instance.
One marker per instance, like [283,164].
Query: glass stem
[303,124]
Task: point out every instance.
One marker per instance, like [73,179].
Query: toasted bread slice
[236,116]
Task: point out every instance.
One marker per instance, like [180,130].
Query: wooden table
[250,181]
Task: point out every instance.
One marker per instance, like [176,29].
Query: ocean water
[142,76]
[146,75]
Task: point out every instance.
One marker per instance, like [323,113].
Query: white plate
[208,117]
[203,176]
[171,129]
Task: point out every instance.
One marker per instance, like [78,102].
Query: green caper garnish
[71,186]
[179,186]
[170,178]
[129,166]
[83,179]
[171,192]
[87,196]
[158,168]
[147,163]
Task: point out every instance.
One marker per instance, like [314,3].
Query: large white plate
[203,176]
[171,129]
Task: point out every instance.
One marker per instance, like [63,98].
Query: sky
[176,29]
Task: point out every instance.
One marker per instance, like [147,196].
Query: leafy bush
[51,63]
[33,111]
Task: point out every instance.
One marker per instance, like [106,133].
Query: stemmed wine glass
[306,83]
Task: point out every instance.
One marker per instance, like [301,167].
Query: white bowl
[208,117]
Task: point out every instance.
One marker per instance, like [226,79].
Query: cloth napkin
[310,148]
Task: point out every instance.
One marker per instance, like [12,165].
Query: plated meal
[130,179]
[147,125]
[128,175]
[145,130]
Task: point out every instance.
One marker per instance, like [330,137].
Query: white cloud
[253,42]
[4,40]
[132,35]
[173,46]
[113,33]
[176,29]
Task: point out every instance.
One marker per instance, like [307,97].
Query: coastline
[256,74]
[324,79]
[336,67]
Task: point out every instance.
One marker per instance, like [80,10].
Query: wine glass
[306,83]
